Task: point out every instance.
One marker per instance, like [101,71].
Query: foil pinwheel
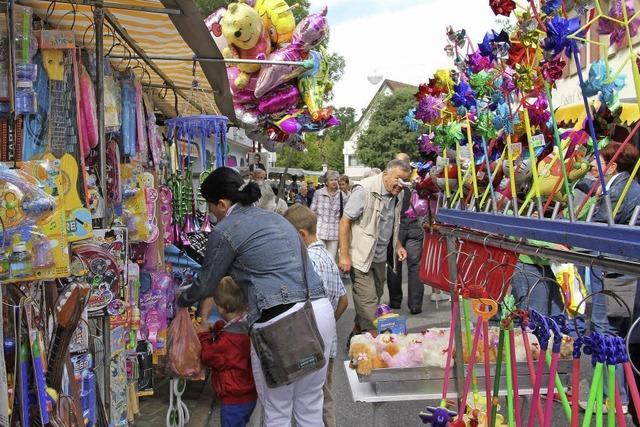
[616,31]
[600,82]
[549,7]
[558,31]
[477,62]
[429,109]
[463,96]
[502,118]
[481,84]
[502,7]
[539,113]
[484,126]
[495,45]
[552,69]
[447,135]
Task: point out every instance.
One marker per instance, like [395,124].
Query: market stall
[111,115]
[92,189]
[504,176]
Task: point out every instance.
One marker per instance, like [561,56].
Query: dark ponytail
[248,195]
[226,183]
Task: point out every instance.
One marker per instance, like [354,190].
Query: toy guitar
[84,137]
[68,311]
[57,65]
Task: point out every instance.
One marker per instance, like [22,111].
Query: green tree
[324,148]
[208,6]
[387,134]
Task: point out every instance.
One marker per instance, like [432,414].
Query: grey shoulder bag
[291,347]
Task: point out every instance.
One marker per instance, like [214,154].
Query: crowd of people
[256,273]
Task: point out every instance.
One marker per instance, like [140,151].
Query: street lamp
[374,77]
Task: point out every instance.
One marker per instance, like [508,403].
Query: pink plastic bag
[184,347]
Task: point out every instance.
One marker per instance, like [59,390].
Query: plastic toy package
[135,181]
[33,238]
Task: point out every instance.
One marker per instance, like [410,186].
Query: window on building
[354,161]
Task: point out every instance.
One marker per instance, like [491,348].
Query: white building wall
[350,148]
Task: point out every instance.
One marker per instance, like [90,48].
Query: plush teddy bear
[363,356]
[248,38]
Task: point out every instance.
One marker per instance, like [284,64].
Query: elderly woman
[262,252]
[328,203]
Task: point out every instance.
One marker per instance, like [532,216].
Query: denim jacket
[262,252]
[628,205]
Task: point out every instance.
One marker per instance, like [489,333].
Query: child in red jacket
[226,350]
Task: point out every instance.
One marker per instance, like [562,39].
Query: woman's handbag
[291,347]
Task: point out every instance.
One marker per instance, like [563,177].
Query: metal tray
[429,380]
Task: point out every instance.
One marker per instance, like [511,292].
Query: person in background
[303,195]
[310,192]
[226,349]
[259,176]
[344,184]
[328,203]
[371,220]
[305,221]
[411,236]
[603,320]
[256,248]
[372,172]
[257,163]
[281,204]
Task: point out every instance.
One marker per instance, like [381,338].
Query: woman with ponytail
[261,251]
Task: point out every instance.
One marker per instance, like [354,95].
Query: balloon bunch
[490,135]
[279,100]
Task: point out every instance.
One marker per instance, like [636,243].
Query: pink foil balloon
[272,76]
[279,100]
[308,34]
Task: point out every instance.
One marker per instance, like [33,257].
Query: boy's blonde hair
[302,218]
[229,296]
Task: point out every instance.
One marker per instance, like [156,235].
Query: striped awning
[180,33]
[575,113]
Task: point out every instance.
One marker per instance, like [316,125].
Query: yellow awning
[575,113]
[155,34]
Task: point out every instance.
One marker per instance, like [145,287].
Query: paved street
[349,414]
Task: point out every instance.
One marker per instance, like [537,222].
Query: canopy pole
[122,6]
[306,64]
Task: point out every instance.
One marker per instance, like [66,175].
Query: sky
[402,39]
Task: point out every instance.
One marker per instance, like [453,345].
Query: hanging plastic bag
[573,289]
[184,347]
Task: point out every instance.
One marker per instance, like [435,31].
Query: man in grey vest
[371,219]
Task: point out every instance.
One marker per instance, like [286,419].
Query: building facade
[353,168]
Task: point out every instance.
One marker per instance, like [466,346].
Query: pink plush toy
[408,357]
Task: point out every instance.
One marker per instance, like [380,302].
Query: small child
[226,351]
[305,221]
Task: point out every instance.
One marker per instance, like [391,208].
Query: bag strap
[341,203]
[305,258]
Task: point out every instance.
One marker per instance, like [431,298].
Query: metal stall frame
[487,234]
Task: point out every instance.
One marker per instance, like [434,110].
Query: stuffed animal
[248,38]
[550,171]
[363,356]
[278,19]
[408,357]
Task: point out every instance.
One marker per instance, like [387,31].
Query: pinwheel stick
[510,406]
[472,165]
[592,133]
[596,385]
[611,416]
[623,195]
[492,177]
[566,406]
[489,176]
[469,338]
[512,175]
[534,161]
[496,384]
[634,64]
[556,138]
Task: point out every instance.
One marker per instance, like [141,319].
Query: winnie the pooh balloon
[248,38]
[278,18]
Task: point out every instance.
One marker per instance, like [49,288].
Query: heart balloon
[279,100]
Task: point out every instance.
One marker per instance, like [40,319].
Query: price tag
[538,141]
[515,150]
[442,162]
